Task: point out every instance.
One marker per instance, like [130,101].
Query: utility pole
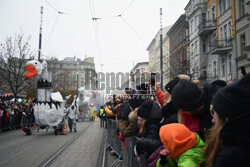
[77,66]
[161,61]
[40,34]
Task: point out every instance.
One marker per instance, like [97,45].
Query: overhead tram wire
[136,33]
[131,3]
[96,30]
[57,17]
[94,19]
[52,29]
[121,16]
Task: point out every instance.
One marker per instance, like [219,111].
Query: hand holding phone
[152,79]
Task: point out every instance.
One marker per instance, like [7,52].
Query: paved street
[17,149]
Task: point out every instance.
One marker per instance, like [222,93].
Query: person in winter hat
[149,117]
[182,147]
[187,96]
[127,120]
[193,104]
[229,140]
[188,99]
[165,97]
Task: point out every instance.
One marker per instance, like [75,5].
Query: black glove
[137,143]
[163,160]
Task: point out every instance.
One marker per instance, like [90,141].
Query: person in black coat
[229,141]
[169,112]
[149,117]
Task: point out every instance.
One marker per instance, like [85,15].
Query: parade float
[49,106]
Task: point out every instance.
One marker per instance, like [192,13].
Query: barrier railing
[129,159]
[12,122]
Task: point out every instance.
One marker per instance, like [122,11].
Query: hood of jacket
[177,138]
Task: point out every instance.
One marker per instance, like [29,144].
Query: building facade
[212,39]
[196,17]
[242,35]
[136,74]
[154,54]
[70,72]
[166,60]
[222,41]
[179,45]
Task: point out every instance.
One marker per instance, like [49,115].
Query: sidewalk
[84,152]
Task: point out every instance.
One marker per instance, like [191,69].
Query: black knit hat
[145,109]
[170,85]
[187,96]
[219,83]
[234,99]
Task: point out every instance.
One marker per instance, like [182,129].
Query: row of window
[226,31]
[225,66]
[224,5]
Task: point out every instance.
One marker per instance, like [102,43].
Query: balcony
[220,47]
[247,48]
[207,27]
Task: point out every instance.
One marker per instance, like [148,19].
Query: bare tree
[14,53]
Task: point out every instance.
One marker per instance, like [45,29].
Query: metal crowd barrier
[13,122]
[129,159]
[113,138]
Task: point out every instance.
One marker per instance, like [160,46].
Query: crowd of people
[15,115]
[186,125]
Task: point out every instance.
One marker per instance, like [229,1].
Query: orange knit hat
[177,138]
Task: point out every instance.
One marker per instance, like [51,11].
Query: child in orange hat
[182,147]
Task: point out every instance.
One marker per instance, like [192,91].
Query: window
[204,74]
[228,3]
[203,15]
[195,22]
[192,49]
[214,68]
[242,43]
[225,32]
[196,47]
[242,7]
[213,13]
[191,26]
[204,45]
[230,63]
[223,67]
[230,29]
[221,33]
[222,6]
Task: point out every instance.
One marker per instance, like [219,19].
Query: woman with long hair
[149,117]
[229,140]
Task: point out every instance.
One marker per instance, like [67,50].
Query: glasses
[212,111]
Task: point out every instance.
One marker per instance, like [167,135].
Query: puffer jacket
[190,158]
[149,140]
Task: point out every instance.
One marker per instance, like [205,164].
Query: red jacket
[160,97]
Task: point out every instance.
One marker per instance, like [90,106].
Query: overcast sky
[114,42]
